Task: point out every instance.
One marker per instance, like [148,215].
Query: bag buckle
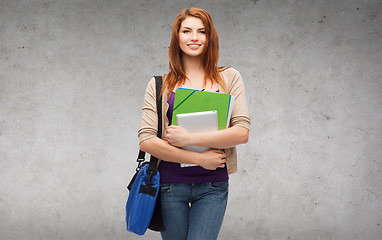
[149,181]
[140,161]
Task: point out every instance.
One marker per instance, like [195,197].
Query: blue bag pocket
[141,201]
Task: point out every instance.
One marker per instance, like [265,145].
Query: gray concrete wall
[72,79]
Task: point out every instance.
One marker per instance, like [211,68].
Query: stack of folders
[201,111]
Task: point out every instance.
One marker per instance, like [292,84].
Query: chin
[193,54]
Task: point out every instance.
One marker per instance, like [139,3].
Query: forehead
[192,22]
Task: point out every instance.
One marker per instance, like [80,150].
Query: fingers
[214,159]
[223,159]
[169,128]
[222,164]
[223,156]
[172,127]
[217,151]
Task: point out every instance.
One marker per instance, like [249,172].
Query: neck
[192,65]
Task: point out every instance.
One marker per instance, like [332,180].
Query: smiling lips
[194,46]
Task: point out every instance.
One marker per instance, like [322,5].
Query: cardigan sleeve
[240,116]
[149,118]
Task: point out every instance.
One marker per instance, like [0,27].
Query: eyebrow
[191,28]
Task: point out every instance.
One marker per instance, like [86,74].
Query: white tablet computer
[197,122]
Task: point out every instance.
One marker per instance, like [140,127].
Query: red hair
[177,76]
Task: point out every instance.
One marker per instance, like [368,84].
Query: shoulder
[231,77]
[152,83]
[152,80]
[229,70]
[229,74]
[151,86]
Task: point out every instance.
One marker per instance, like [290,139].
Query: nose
[194,36]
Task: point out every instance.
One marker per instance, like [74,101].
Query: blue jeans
[193,211]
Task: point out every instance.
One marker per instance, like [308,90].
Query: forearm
[163,150]
[221,139]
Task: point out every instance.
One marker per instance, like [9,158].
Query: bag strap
[141,155]
[158,86]
[153,165]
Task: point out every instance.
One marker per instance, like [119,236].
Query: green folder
[190,100]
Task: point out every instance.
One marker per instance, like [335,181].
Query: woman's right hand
[212,159]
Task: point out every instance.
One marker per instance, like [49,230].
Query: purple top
[173,173]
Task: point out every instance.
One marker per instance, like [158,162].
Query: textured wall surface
[72,79]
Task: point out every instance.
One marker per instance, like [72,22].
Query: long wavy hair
[177,75]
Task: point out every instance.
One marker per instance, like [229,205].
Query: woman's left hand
[177,136]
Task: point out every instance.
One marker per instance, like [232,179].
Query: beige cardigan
[235,87]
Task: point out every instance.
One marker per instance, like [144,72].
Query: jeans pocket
[223,186]
[166,188]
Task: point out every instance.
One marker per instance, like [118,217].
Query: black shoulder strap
[158,86]
[141,155]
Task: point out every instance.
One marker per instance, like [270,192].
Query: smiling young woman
[194,199]
[192,37]
[209,55]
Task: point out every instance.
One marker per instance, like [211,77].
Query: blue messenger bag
[143,207]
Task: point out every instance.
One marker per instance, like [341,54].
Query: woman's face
[192,36]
